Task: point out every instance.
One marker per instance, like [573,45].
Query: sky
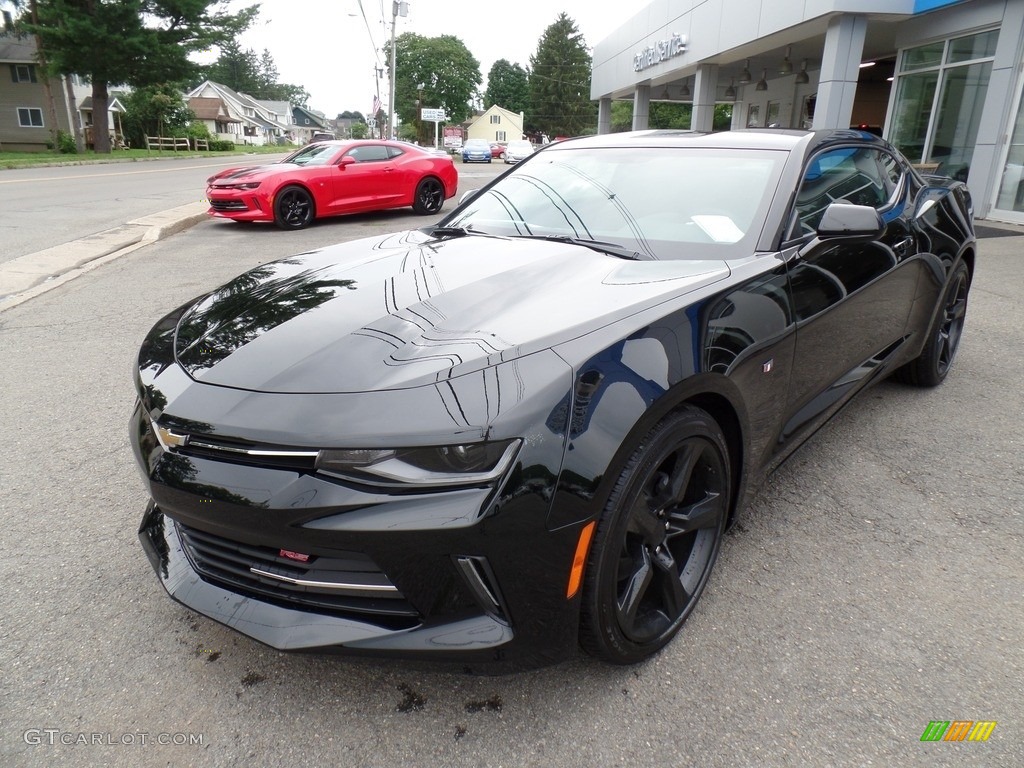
[325,46]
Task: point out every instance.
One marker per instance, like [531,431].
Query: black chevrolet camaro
[527,428]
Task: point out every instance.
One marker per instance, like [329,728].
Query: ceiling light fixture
[730,92]
[801,77]
[866,64]
[787,65]
[762,84]
[745,74]
[684,94]
[666,96]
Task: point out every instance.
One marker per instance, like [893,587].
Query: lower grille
[348,583]
[228,205]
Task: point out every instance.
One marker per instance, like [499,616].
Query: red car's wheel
[293,208]
[429,196]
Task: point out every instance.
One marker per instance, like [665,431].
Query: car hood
[405,310]
[252,172]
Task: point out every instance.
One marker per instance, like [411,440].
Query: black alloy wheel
[293,208]
[429,196]
[657,539]
[929,369]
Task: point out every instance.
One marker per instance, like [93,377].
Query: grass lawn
[30,159]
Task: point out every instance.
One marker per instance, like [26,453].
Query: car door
[851,299]
[363,180]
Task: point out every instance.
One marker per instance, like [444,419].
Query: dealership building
[940,79]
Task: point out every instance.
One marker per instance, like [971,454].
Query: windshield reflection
[664,203]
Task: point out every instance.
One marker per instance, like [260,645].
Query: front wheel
[657,538]
[429,197]
[929,369]
[293,208]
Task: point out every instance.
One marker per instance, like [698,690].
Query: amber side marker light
[579,560]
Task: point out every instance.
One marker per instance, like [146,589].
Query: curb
[32,275]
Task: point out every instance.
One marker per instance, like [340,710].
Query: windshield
[313,154]
[663,203]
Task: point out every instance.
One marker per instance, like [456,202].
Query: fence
[162,143]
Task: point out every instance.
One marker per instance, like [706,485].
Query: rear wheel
[657,539]
[429,196]
[929,368]
[293,208]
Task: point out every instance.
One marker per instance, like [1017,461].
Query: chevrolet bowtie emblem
[169,439]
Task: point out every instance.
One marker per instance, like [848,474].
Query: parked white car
[518,150]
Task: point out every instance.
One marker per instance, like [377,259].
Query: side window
[892,171]
[369,154]
[852,174]
[394,152]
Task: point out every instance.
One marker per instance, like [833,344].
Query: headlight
[432,467]
[246,185]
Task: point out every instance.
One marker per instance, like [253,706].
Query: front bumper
[471,637]
[239,205]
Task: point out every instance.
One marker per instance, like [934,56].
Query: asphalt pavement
[875,584]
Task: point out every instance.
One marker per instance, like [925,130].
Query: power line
[368,32]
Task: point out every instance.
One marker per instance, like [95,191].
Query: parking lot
[875,585]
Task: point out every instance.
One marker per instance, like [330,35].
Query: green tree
[508,86]
[560,102]
[360,130]
[237,69]
[155,110]
[446,70]
[135,42]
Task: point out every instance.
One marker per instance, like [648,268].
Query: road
[874,586]
[44,207]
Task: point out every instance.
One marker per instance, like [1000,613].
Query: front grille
[344,583]
[228,205]
[241,452]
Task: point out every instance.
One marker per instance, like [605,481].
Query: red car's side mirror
[346,160]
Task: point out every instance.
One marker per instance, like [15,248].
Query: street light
[397,9]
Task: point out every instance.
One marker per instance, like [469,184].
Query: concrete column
[840,63]
[604,115]
[705,93]
[641,107]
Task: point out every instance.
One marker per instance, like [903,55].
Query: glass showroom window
[936,108]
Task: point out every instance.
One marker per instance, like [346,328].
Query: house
[25,123]
[213,113]
[307,122]
[280,112]
[115,108]
[497,124]
[256,123]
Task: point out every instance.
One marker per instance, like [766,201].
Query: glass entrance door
[1009,204]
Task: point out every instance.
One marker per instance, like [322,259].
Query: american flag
[376,106]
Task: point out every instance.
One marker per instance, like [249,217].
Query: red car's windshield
[314,154]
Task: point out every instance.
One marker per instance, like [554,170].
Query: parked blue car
[476,151]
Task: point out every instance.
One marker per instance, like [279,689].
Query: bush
[220,145]
[66,143]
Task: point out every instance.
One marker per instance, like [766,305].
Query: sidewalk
[28,276]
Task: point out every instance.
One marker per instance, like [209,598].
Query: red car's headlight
[245,185]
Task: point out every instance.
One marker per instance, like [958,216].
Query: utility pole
[398,8]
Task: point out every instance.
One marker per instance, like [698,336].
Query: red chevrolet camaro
[330,178]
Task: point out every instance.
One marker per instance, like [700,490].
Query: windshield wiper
[612,249]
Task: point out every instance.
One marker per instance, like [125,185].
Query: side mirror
[853,222]
[346,160]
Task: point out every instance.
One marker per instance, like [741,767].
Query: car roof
[747,138]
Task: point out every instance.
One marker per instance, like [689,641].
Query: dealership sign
[657,53]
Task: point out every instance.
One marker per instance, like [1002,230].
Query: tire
[929,369]
[294,208]
[429,196]
[657,539]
